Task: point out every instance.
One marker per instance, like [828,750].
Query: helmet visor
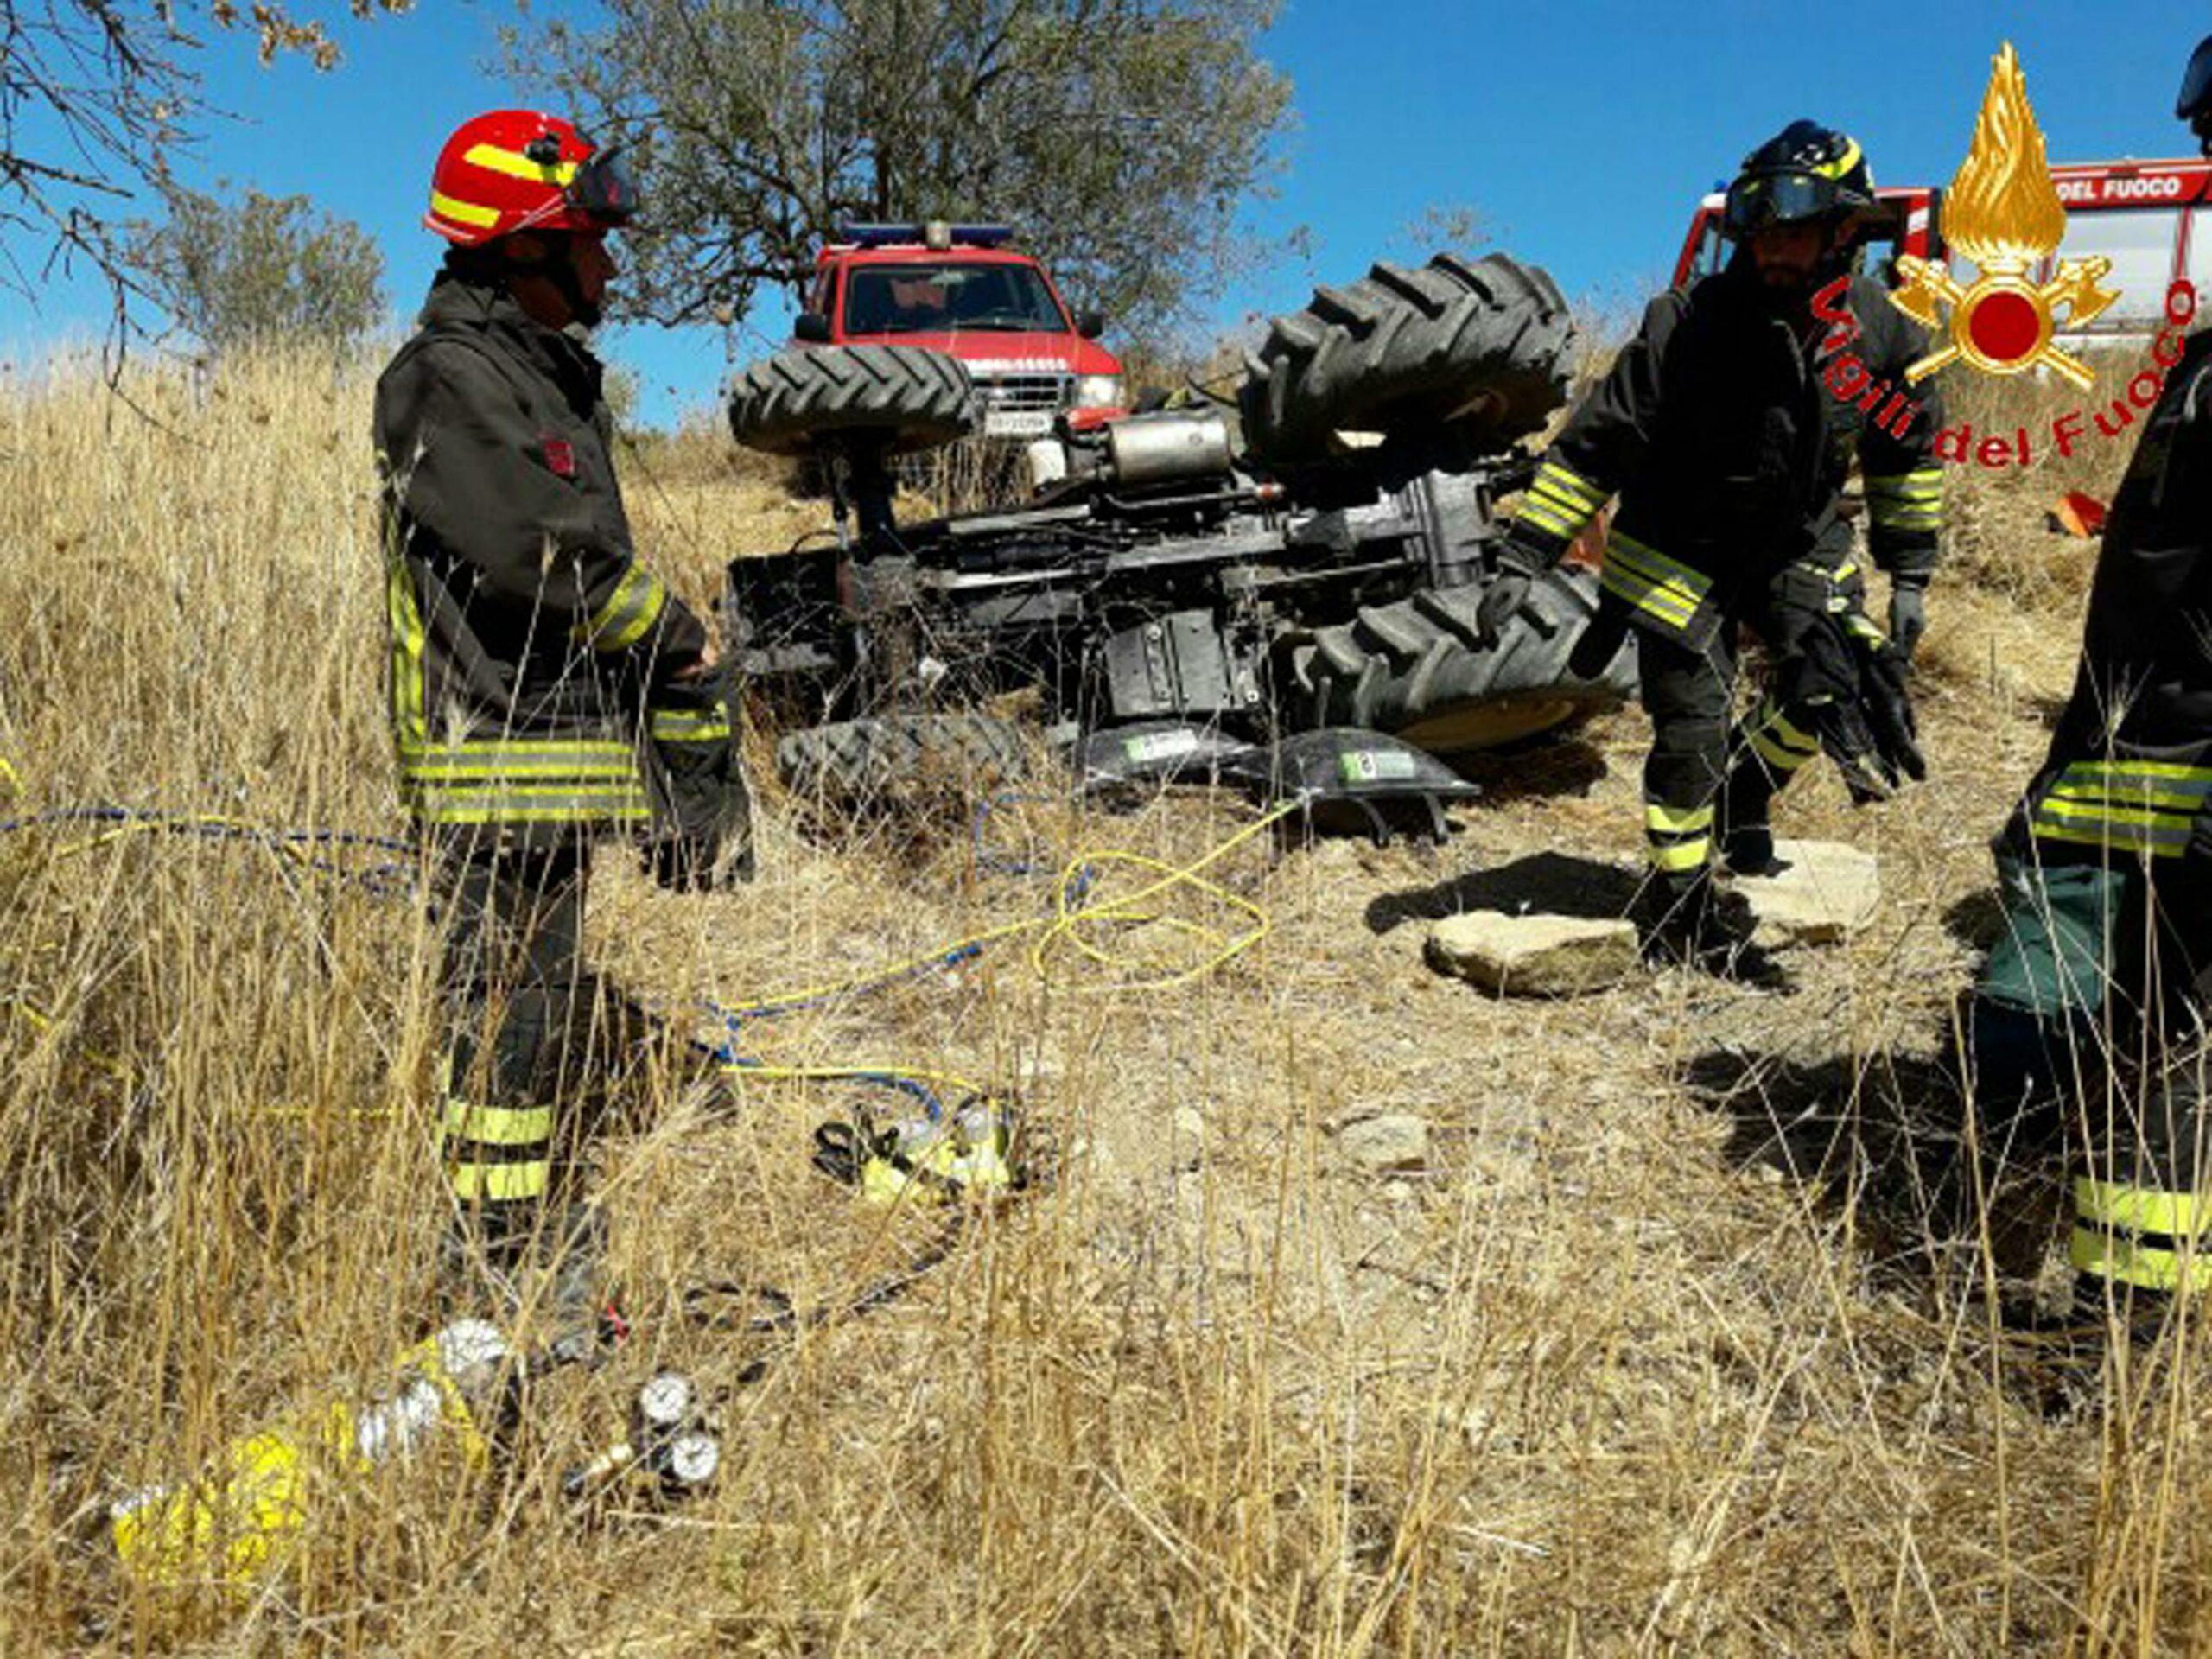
[2195,85]
[602,191]
[1767,199]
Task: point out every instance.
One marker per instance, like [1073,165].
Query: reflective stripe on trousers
[1778,740]
[2142,1237]
[512,981]
[1907,501]
[1703,780]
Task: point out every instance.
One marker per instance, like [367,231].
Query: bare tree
[98,98]
[1120,137]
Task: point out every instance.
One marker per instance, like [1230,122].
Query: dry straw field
[1676,1340]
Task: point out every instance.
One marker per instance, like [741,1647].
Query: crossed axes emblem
[2004,322]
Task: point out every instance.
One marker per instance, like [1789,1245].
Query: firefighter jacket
[1718,429]
[527,639]
[2130,767]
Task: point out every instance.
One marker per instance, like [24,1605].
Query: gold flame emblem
[2003,213]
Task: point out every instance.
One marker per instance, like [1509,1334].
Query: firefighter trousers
[1708,779]
[526,1041]
[2089,1035]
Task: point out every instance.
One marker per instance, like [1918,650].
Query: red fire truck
[2151,218]
[959,289]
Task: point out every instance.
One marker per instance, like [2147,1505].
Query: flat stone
[1829,892]
[1535,954]
[1387,1143]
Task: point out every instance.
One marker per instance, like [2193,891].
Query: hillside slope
[1667,1342]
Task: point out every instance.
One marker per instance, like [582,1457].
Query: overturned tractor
[1189,589]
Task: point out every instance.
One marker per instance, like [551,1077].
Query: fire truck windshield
[943,298]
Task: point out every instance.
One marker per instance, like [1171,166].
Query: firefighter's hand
[1908,614]
[708,657]
[1525,554]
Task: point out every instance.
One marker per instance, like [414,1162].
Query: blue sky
[1582,133]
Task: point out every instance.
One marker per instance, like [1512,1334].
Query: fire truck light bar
[882,235]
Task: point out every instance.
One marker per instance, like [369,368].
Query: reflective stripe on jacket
[526,637]
[2130,766]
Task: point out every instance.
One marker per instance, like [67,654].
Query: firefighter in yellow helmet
[547,688]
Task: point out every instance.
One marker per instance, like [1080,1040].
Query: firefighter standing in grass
[537,664]
[2089,1017]
[1729,454]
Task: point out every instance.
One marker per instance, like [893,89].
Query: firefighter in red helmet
[546,685]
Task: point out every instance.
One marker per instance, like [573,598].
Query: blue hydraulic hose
[384,880]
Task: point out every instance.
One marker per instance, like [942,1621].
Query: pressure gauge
[692,1459]
[665,1403]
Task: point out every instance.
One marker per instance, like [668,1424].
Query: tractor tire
[907,397]
[1483,345]
[859,761]
[1416,670]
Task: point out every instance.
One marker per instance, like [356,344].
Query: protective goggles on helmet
[1766,199]
[602,189]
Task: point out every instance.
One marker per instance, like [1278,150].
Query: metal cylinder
[1160,449]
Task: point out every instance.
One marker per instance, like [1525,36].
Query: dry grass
[1665,1350]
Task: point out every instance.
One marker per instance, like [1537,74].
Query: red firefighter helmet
[518,170]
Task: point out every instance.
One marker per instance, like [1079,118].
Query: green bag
[2053,958]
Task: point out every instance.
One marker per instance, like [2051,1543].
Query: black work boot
[1671,913]
[1745,829]
[1749,850]
[2129,1313]
[1686,921]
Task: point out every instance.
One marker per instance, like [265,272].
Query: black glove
[1908,612]
[1846,683]
[1821,692]
[1885,690]
[702,812]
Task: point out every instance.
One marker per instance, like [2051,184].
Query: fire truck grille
[1024,393]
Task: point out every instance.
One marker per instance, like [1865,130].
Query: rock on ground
[1830,890]
[1535,956]
[1387,1143]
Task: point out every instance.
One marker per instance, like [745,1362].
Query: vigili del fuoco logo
[2004,214]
